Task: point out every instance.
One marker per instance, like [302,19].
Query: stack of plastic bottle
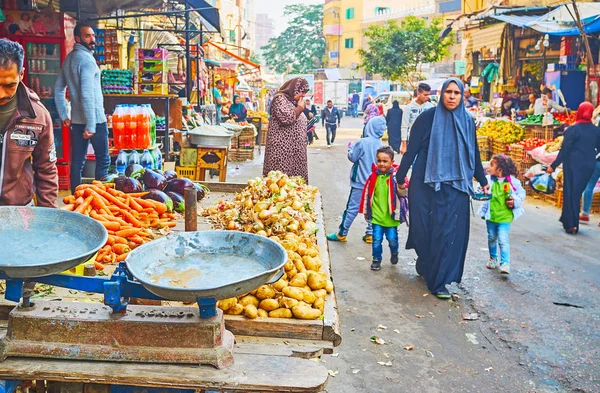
[149,159]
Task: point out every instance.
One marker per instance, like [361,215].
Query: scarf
[238,109]
[451,154]
[584,113]
[292,87]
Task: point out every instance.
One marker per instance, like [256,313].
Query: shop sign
[333,55]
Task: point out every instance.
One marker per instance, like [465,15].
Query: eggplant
[159,196]
[127,184]
[110,178]
[162,173]
[200,191]
[178,201]
[132,168]
[170,175]
[179,185]
[153,180]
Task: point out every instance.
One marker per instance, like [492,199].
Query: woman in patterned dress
[286,140]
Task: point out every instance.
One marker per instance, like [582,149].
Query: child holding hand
[381,205]
[502,209]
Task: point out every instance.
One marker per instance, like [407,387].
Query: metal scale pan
[208,264]
[37,241]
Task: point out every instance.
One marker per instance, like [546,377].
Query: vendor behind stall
[546,103]
[28,162]
[531,110]
[238,111]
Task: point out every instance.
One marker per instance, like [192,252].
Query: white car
[388,98]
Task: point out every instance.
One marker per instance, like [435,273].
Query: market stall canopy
[208,13]
[234,56]
[560,21]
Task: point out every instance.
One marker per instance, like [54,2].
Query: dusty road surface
[538,329]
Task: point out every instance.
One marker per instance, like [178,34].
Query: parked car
[388,98]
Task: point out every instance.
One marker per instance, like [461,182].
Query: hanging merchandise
[491,72]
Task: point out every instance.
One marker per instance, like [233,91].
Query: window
[382,10]
[349,13]
[349,43]
[232,36]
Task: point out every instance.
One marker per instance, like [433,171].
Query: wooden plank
[274,327]
[305,349]
[227,188]
[250,373]
[331,318]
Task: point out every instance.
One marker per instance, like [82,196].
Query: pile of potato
[282,209]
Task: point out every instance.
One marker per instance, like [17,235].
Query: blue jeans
[391,233]
[79,148]
[498,236]
[331,128]
[352,208]
[588,194]
[355,110]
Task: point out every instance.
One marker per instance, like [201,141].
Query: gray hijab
[451,154]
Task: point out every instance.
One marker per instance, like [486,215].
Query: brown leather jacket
[28,162]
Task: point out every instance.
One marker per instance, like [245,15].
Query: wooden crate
[483,142]
[517,153]
[262,136]
[524,165]
[186,171]
[240,155]
[498,147]
[245,142]
[485,155]
[539,131]
[596,203]
[559,198]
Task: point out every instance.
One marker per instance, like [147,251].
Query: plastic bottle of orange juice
[118,127]
[143,128]
[131,126]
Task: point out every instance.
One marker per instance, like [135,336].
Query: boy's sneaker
[376,265]
[492,264]
[443,295]
[368,239]
[336,237]
[394,259]
[504,268]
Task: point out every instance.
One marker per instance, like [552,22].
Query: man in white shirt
[413,110]
[545,104]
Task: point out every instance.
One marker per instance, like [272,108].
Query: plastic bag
[543,183]
[542,156]
[535,170]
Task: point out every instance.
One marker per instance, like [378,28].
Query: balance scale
[196,267]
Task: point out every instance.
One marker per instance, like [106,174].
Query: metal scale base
[146,334]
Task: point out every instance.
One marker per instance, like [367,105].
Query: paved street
[538,329]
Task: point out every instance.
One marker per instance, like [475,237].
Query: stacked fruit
[501,130]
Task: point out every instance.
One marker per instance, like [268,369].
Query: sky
[275,10]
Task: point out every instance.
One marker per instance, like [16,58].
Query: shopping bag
[543,183]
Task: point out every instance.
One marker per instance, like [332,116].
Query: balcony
[422,8]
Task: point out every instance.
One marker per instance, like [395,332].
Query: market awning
[207,12]
[516,20]
[560,21]
[234,56]
[488,37]
[212,62]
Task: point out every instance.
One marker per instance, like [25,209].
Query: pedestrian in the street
[286,139]
[28,162]
[367,101]
[313,110]
[330,119]
[87,118]
[507,196]
[394,125]
[578,157]
[417,106]
[379,107]
[364,155]
[444,144]
[380,203]
[588,193]
[355,103]
[310,127]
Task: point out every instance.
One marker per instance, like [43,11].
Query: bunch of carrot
[128,218]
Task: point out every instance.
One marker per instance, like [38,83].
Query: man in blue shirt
[218,96]
[329,118]
[355,103]
[470,101]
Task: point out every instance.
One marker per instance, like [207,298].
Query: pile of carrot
[128,218]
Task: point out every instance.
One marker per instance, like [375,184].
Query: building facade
[264,31]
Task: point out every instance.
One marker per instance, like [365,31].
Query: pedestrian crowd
[438,145]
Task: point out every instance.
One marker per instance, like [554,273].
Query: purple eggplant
[131,168]
[200,191]
[170,175]
[159,196]
[127,185]
[110,178]
[153,180]
[178,201]
[179,185]
[162,173]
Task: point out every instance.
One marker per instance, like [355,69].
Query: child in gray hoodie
[363,154]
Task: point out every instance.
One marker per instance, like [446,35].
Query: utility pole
[590,59]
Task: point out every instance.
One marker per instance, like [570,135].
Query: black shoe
[376,265]
[394,259]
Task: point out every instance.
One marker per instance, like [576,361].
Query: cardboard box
[153,89]
[151,54]
[152,77]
